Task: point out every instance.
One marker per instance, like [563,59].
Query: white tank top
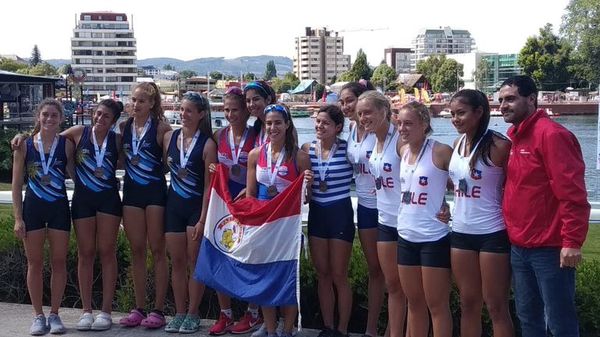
[358,155]
[387,166]
[417,221]
[479,209]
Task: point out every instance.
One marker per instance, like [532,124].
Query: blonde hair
[40,107]
[379,100]
[422,111]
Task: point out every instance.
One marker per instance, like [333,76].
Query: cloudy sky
[189,29]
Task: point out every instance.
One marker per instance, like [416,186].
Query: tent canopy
[305,87]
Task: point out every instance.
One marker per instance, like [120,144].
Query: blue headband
[279,108]
[264,92]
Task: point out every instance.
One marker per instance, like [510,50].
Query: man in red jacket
[546,211]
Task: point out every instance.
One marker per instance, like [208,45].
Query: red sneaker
[222,325]
[246,324]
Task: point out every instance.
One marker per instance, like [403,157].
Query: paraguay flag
[251,248]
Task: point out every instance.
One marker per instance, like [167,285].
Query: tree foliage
[184,74]
[168,66]
[36,57]
[42,69]
[481,73]
[11,65]
[270,71]
[216,75]
[442,73]
[249,77]
[546,59]
[384,77]
[289,82]
[360,69]
[581,29]
[66,69]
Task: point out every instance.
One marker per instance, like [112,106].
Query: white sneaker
[261,332]
[102,322]
[56,325]
[38,327]
[85,321]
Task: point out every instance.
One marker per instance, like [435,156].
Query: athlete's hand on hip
[570,257]
[444,214]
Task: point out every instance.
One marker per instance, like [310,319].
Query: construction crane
[362,30]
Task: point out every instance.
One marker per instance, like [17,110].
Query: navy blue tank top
[191,185]
[86,178]
[146,170]
[36,189]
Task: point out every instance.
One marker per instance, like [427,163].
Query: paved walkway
[17,318]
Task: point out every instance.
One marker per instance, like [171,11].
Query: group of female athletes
[400,177]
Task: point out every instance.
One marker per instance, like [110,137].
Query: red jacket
[545,199]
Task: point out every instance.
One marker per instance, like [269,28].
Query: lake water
[584,128]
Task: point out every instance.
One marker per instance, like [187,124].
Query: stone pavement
[17,318]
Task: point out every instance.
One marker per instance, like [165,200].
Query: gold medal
[378,182]
[272,191]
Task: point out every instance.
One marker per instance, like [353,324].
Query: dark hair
[202,104]
[477,99]
[236,94]
[525,86]
[38,110]
[422,111]
[265,91]
[357,88]
[114,106]
[153,92]
[291,135]
[335,113]
[379,100]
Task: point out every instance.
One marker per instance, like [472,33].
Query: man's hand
[570,257]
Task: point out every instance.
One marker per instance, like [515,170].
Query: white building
[104,48]
[441,41]
[319,55]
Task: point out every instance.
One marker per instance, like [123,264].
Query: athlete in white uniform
[360,147]
[424,241]
[374,111]
[480,246]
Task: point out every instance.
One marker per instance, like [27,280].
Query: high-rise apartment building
[399,59]
[319,55]
[104,48]
[441,41]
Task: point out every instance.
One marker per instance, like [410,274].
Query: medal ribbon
[324,166]
[183,158]
[135,141]
[100,152]
[46,164]
[273,172]
[462,147]
[414,167]
[378,157]
[235,155]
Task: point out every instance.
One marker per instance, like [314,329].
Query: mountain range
[235,66]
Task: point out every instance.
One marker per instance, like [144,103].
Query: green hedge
[13,287]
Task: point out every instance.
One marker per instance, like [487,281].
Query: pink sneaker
[246,324]
[222,325]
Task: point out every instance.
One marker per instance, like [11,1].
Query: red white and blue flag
[251,248]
